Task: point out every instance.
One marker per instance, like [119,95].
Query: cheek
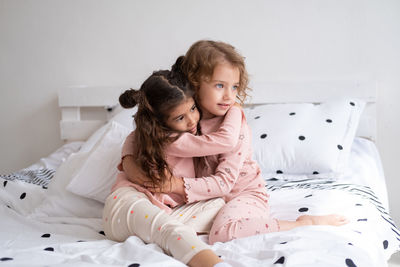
[170,125]
[204,92]
[211,96]
[200,95]
[197,116]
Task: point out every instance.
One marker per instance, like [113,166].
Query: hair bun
[178,66]
[177,70]
[129,98]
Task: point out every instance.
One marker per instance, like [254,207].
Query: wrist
[180,189]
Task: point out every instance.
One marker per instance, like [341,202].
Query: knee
[218,237]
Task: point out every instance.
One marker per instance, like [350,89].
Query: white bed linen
[54,160]
[366,169]
[29,239]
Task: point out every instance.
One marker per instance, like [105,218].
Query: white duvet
[42,228]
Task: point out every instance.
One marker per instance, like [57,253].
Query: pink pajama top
[227,175]
[179,156]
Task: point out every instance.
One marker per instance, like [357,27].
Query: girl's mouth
[194,130]
[224,106]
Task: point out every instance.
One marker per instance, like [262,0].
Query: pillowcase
[124,117]
[61,203]
[98,172]
[304,139]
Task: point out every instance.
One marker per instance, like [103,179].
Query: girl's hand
[136,176]
[133,171]
[174,185]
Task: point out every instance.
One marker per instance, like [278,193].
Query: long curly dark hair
[157,97]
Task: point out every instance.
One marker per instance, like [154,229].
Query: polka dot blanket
[369,239]
[47,226]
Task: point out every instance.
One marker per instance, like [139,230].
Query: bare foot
[332,219]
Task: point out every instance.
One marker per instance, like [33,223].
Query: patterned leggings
[244,215]
[128,212]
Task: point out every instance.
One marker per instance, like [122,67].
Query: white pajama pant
[129,212]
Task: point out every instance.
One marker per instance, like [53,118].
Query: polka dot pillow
[304,139]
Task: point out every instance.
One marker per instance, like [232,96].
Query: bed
[315,142]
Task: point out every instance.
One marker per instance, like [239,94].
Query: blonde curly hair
[204,55]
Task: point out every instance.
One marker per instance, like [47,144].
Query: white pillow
[61,203]
[98,172]
[124,117]
[309,140]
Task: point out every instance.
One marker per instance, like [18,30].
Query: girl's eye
[193,108]
[219,85]
[180,118]
[235,87]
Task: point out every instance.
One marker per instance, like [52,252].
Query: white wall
[46,45]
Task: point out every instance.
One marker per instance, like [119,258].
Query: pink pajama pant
[128,212]
[243,215]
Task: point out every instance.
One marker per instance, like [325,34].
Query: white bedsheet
[366,168]
[29,239]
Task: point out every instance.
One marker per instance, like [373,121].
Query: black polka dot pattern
[385,244]
[304,131]
[22,196]
[303,209]
[5,183]
[45,235]
[281,260]
[6,259]
[350,263]
[102,233]
[279,172]
[49,249]
[134,265]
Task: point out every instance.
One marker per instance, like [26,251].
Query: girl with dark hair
[166,112]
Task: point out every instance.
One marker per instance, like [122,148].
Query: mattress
[39,229]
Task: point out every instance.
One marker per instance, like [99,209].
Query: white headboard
[85,109]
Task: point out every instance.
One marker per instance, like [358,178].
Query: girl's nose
[192,121]
[228,94]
